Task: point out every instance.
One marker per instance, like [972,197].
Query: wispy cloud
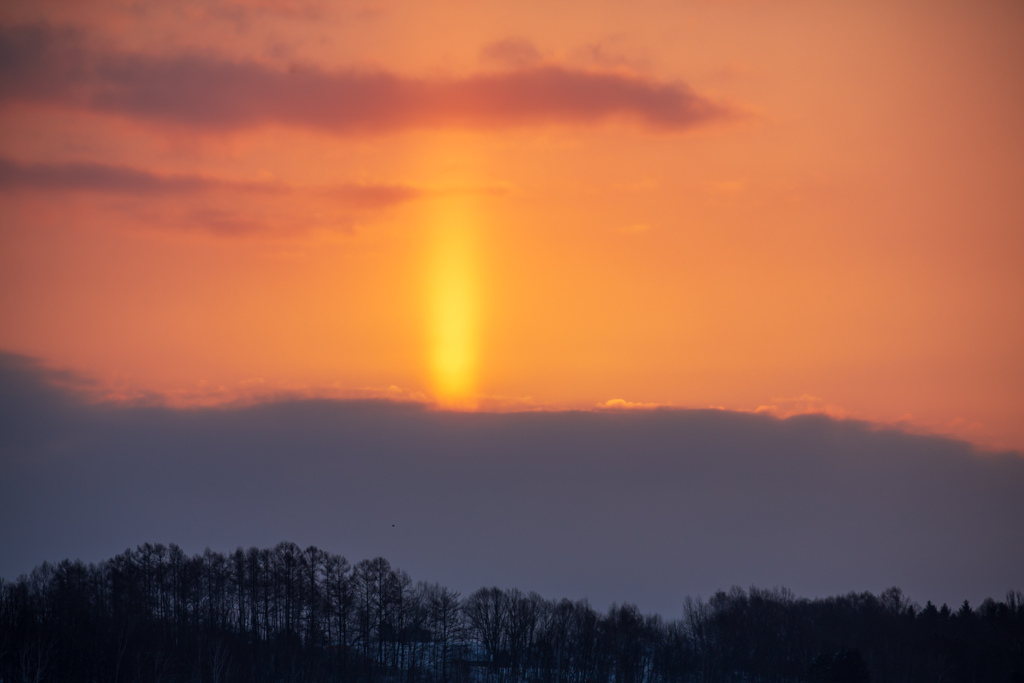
[127,180]
[516,52]
[804,404]
[41,63]
[94,177]
[622,404]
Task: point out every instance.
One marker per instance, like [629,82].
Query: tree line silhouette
[290,614]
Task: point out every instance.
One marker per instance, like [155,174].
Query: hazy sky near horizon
[788,206]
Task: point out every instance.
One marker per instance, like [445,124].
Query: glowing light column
[454,304]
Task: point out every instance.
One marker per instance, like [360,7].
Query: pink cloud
[126,180]
[43,64]
[517,52]
[622,404]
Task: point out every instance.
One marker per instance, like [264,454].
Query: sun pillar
[454,303]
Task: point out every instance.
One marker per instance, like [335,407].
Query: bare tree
[487,617]
[444,615]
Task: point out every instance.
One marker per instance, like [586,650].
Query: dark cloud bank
[43,63]
[642,506]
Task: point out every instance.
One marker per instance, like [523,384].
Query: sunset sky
[267,265]
[786,206]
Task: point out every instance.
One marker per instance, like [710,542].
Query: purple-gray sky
[645,507]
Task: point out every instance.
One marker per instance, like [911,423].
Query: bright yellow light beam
[454,304]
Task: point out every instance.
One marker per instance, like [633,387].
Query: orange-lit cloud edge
[256,391]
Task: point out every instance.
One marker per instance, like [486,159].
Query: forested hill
[288,614]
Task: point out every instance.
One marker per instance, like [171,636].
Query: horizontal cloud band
[106,178]
[40,63]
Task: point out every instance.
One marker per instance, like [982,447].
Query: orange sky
[800,205]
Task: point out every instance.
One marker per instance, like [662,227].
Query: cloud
[620,505]
[517,52]
[804,404]
[373,196]
[44,64]
[622,404]
[614,53]
[91,177]
[114,179]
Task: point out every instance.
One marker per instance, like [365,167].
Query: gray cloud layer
[107,178]
[96,178]
[43,63]
[638,506]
